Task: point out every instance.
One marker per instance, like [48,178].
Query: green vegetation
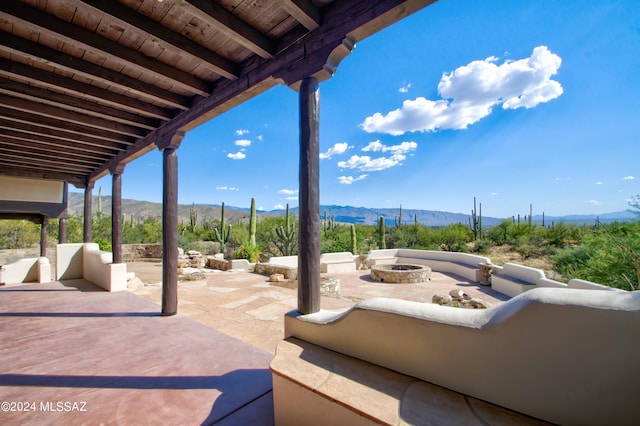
[604,253]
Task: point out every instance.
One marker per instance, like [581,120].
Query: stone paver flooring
[248,307]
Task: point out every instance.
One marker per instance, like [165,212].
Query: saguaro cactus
[193,218]
[354,240]
[475,221]
[286,233]
[219,234]
[381,233]
[252,223]
[99,212]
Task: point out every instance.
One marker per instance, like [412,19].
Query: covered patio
[75,354]
[87,87]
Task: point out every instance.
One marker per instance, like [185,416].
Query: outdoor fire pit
[401,273]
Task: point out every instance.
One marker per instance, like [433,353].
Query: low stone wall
[137,252]
[289,273]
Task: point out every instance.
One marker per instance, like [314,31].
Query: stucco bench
[35,269]
[337,262]
[463,264]
[499,355]
[513,279]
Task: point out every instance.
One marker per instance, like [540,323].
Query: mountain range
[341,214]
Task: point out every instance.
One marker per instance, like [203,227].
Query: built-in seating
[462,264]
[34,269]
[337,262]
[565,356]
[85,260]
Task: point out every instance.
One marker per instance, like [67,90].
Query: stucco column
[309,232]
[116,211]
[88,200]
[43,236]
[168,145]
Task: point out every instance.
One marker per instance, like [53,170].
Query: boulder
[276,278]
[441,299]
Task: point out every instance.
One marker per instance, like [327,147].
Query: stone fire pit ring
[401,273]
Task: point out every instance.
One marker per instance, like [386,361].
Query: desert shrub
[247,251]
[104,245]
[482,246]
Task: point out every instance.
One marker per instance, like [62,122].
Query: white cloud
[348,180]
[338,148]
[237,156]
[629,178]
[278,207]
[288,191]
[292,198]
[593,202]
[241,132]
[227,188]
[470,92]
[599,183]
[260,138]
[243,142]
[405,89]
[366,163]
[495,193]
[377,146]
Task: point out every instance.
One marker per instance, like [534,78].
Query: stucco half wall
[563,355]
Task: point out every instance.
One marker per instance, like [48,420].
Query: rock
[276,278]
[192,253]
[133,282]
[458,294]
[476,303]
[329,285]
[195,276]
[182,263]
[441,299]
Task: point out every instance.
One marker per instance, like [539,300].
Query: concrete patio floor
[73,354]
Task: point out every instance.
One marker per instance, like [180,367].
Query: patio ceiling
[86,85]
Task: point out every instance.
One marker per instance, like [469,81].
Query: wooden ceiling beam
[164,36]
[70,116]
[37,151]
[39,161]
[89,135]
[303,11]
[51,57]
[70,103]
[38,21]
[230,25]
[78,180]
[58,83]
[14,136]
[24,131]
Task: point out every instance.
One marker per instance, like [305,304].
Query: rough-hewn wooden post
[116,211]
[168,145]
[62,230]
[43,236]
[88,199]
[309,232]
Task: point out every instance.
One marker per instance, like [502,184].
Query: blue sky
[513,102]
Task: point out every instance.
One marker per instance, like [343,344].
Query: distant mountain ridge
[341,214]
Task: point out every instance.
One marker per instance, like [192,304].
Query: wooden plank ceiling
[88,84]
